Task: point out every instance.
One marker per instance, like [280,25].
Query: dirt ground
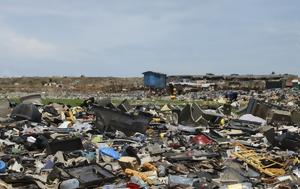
[57,85]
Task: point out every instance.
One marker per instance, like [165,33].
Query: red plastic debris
[133,186]
[201,139]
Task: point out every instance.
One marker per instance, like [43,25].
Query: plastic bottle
[2,166]
[69,184]
[161,171]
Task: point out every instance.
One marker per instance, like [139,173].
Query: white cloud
[17,45]
[29,46]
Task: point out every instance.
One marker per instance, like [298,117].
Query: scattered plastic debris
[100,144]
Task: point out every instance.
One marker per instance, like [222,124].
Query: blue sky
[128,37]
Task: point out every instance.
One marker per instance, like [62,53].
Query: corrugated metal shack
[155,80]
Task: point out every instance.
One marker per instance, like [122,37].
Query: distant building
[295,83]
[273,84]
[236,81]
[155,80]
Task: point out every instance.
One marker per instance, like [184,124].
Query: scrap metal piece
[155,149]
[182,181]
[112,120]
[258,108]
[296,117]
[261,163]
[105,102]
[287,140]
[190,156]
[193,114]
[217,137]
[244,125]
[64,145]
[281,117]
[253,119]
[35,99]
[4,108]
[227,109]
[91,175]
[19,180]
[26,112]
[124,106]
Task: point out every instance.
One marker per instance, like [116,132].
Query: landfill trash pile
[103,145]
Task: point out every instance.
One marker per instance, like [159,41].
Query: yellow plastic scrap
[130,172]
[155,120]
[173,97]
[296,161]
[70,116]
[97,139]
[162,135]
[77,109]
[222,122]
[256,161]
[149,167]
